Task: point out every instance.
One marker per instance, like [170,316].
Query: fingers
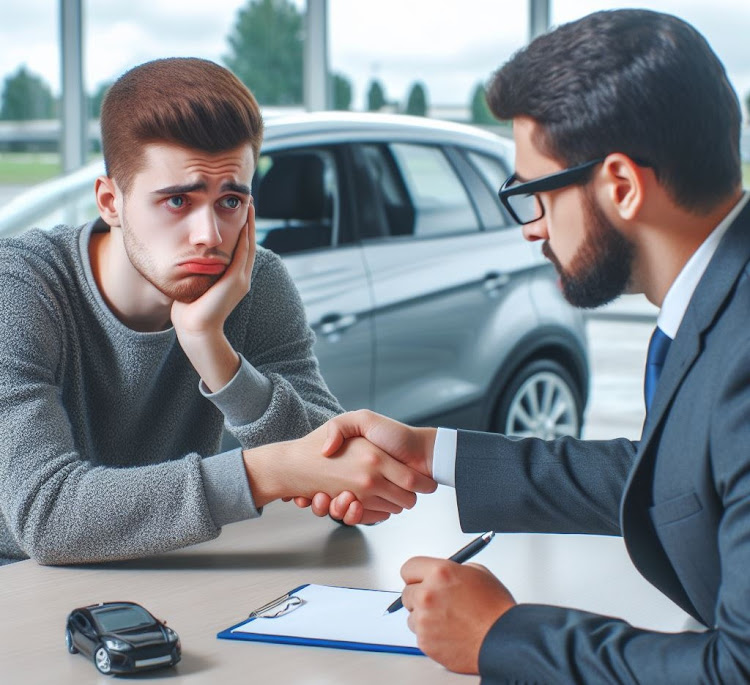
[349,425]
[301,502]
[249,230]
[416,568]
[355,514]
[341,503]
[321,503]
[370,518]
[407,478]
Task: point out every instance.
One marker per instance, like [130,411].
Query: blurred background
[408,57]
[413,57]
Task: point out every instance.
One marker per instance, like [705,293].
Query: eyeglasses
[520,199]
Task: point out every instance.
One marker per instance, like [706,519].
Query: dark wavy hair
[182,100]
[638,82]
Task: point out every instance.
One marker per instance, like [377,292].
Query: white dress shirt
[670,317]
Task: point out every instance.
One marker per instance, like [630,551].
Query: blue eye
[176,202]
[230,202]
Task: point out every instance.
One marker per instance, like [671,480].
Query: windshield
[112,619]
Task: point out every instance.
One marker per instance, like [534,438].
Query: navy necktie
[657,353]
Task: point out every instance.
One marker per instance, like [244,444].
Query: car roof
[106,606]
[330,127]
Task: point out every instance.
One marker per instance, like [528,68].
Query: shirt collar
[681,291]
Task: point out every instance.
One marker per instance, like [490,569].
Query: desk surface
[206,588]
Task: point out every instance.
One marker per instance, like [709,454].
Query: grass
[746,175]
[27,168]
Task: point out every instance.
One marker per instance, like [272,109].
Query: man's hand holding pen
[452,607]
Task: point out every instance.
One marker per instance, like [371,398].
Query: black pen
[463,554]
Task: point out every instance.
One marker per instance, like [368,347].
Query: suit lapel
[714,288]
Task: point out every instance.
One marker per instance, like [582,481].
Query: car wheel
[540,401]
[69,642]
[102,661]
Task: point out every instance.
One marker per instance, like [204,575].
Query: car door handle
[336,323]
[495,280]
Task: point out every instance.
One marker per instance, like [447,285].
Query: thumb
[341,428]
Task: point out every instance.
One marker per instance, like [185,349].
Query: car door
[442,285]
[84,635]
[304,213]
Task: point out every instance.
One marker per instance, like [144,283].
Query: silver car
[428,304]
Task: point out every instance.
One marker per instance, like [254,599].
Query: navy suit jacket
[680,498]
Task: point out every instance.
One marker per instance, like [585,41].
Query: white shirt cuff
[444,457]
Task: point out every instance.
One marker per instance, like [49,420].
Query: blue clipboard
[329,616]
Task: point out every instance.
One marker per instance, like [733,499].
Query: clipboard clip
[278,607]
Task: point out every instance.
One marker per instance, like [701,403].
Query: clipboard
[329,616]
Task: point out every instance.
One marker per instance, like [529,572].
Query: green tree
[26,96]
[375,96]
[95,100]
[265,51]
[416,102]
[342,92]
[480,112]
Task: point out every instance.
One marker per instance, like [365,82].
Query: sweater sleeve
[61,506]
[278,393]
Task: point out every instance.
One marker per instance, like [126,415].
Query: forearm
[546,644]
[564,486]
[212,356]
[67,512]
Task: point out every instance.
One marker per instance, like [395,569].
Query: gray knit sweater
[106,435]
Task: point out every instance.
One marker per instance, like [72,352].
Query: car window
[112,619]
[296,200]
[441,204]
[390,203]
[490,173]
[492,170]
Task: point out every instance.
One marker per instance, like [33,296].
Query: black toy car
[121,637]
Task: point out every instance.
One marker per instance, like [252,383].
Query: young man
[627,167]
[126,344]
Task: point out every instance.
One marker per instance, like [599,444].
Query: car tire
[102,661]
[541,400]
[69,642]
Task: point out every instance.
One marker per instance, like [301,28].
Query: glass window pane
[440,200]
[491,170]
[296,200]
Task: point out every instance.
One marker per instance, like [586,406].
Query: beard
[601,268]
[186,289]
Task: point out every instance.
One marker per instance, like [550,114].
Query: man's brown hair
[186,101]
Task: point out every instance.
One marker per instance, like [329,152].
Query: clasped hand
[410,446]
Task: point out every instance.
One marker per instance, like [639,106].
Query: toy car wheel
[69,642]
[102,661]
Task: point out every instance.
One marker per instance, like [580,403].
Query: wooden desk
[204,589]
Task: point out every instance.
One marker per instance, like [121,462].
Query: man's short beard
[187,289]
[602,266]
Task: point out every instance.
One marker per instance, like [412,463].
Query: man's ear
[107,195]
[624,183]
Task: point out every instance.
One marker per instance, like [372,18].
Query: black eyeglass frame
[560,179]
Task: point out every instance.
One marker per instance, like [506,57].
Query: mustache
[549,254]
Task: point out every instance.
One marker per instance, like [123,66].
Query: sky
[450,46]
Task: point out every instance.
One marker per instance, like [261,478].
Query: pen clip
[278,607]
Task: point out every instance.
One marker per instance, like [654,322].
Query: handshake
[359,467]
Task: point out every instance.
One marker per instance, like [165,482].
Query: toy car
[121,637]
